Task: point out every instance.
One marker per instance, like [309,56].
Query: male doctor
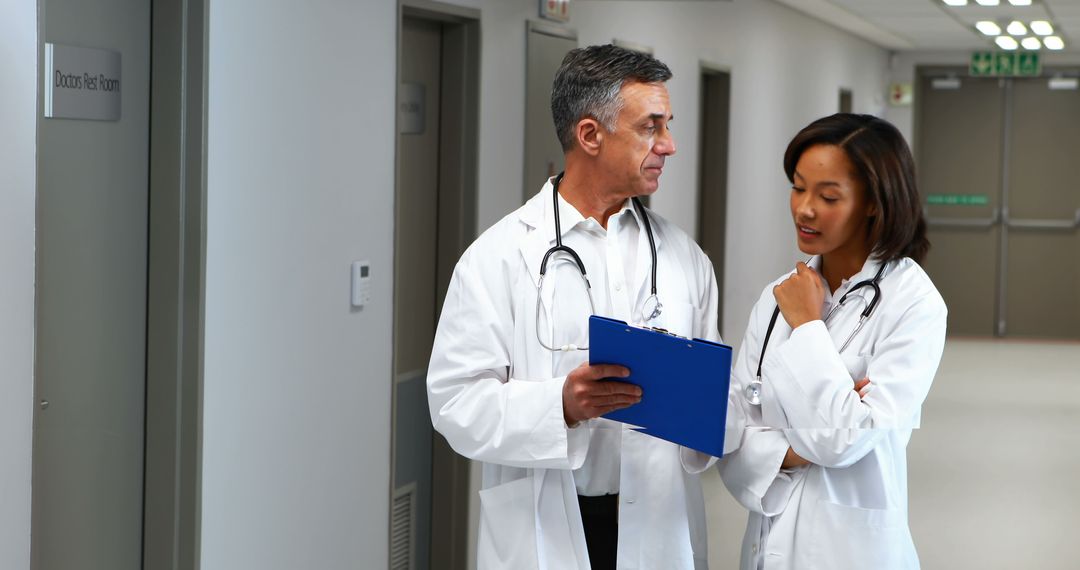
[562,488]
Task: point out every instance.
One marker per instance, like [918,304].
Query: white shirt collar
[570,217]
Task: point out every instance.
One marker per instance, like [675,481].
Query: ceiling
[931,25]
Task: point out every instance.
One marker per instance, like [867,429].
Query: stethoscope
[753,390]
[651,308]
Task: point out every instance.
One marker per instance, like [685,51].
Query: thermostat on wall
[361,283]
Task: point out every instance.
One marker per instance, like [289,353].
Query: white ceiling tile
[973,14]
[930,24]
[1066,11]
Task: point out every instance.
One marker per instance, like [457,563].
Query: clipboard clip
[667,332]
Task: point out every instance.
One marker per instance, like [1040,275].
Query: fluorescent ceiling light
[1053,42]
[1006,42]
[956,2]
[988,28]
[1020,2]
[1042,27]
[1030,42]
[988,2]
[1016,28]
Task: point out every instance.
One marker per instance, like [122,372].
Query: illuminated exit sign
[1005,64]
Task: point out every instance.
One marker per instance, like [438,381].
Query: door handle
[964,222]
[1052,225]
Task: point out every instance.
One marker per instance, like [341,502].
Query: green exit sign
[1005,64]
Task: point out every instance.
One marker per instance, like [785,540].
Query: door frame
[711,69]
[451,515]
[175,285]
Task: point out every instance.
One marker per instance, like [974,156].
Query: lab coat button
[618,286]
[754,549]
[629,501]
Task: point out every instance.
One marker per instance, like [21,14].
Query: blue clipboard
[684,382]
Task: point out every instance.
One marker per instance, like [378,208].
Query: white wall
[296,417]
[18,115]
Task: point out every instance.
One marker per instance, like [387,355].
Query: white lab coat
[848,510]
[493,395]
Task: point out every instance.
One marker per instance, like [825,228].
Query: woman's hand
[792,459]
[863,387]
[800,296]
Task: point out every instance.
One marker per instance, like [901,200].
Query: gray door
[995,161]
[959,153]
[547,45]
[712,195]
[845,101]
[91,306]
[1042,282]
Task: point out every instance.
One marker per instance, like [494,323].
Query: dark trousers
[600,517]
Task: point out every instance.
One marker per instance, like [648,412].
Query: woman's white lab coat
[493,395]
[848,510]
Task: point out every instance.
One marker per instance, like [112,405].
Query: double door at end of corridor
[996,161]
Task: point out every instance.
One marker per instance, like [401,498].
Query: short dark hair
[587,84]
[883,161]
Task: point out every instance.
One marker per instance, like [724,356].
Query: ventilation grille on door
[403,528]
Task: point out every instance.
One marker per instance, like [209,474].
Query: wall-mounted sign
[900,94]
[411,108]
[558,10]
[82,83]
[1005,64]
[958,200]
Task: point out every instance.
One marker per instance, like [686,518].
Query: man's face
[632,157]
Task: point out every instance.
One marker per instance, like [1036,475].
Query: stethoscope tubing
[753,391]
[559,247]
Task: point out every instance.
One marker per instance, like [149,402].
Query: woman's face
[828,204]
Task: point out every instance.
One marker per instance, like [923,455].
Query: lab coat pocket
[857,365]
[507,537]
[856,538]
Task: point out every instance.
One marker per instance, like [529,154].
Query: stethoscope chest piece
[753,392]
[651,308]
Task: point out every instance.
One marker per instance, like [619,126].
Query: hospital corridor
[539,284]
[986,477]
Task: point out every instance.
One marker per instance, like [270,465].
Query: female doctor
[822,465]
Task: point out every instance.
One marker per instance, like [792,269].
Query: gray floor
[994,469]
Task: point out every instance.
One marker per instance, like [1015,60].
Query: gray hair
[587,84]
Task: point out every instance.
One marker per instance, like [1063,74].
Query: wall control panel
[361,283]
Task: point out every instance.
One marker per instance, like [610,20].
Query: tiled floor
[995,470]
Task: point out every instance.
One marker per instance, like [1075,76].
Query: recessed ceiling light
[988,2]
[988,28]
[1042,27]
[1020,2]
[1053,42]
[1016,28]
[1006,42]
[1030,42]
[956,2]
